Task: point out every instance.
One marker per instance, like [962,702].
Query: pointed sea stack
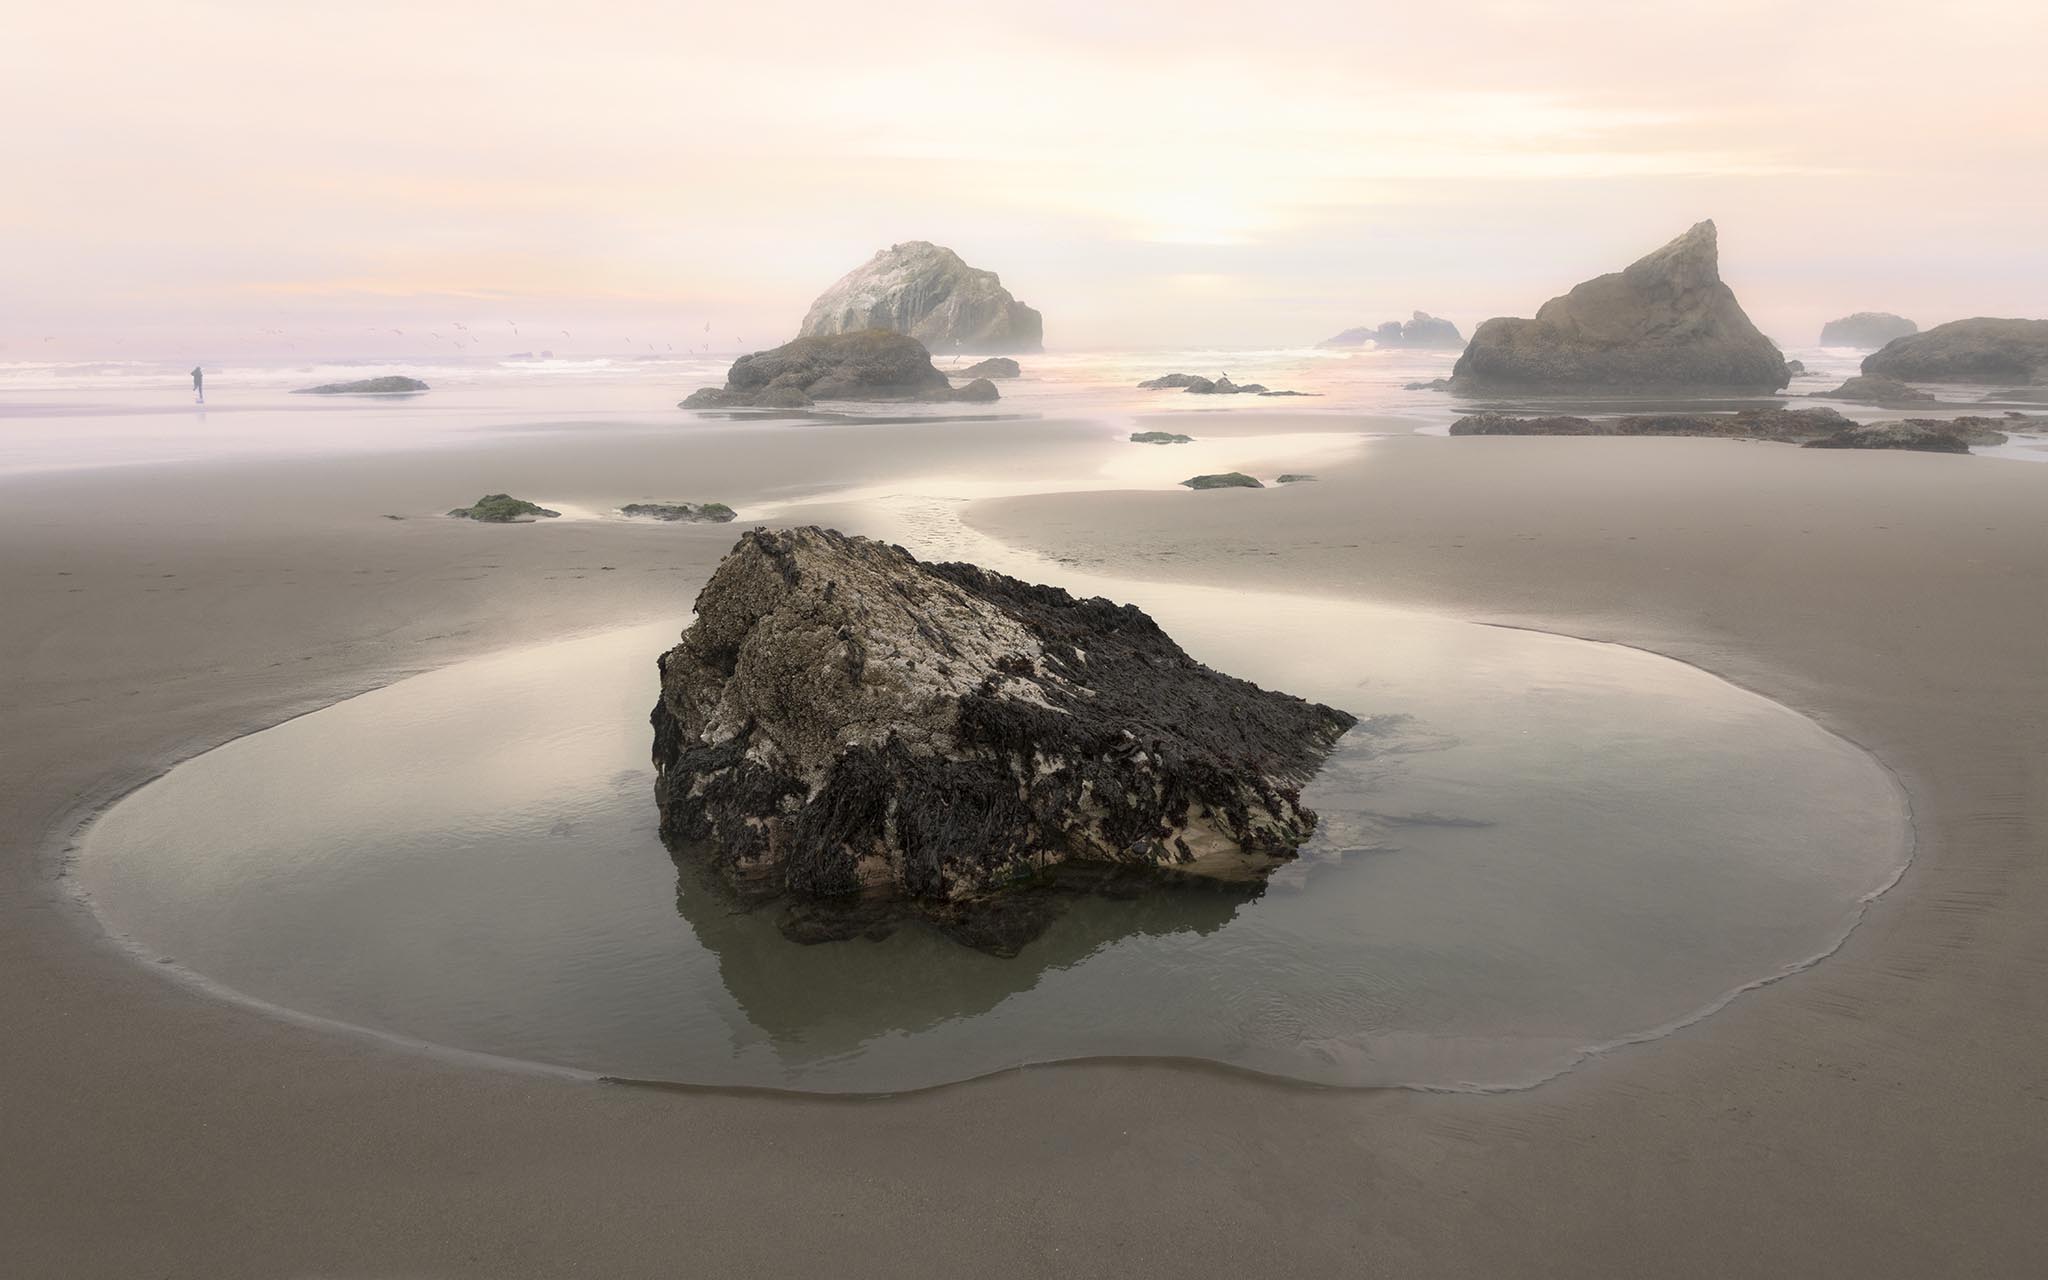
[1667,322]
[925,290]
[843,721]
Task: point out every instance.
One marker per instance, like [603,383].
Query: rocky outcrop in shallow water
[1222,480]
[993,367]
[679,512]
[1666,322]
[392,384]
[1791,425]
[844,722]
[1986,349]
[1421,332]
[503,508]
[1869,388]
[1867,329]
[924,290]
[1922,437]
[870,365]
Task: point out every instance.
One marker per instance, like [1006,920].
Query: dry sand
[1884,1114]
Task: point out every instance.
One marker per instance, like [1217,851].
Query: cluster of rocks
[1666,322]
[872,364]
[925,291]
[1220,385]
[1421,332]
[389,385]
[1817,427]
[679,512]
[1434,384]
[1866,329]
[845,725]
[503,508]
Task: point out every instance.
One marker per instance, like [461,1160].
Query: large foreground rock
[1867,329]
[1667,322]
[925,290]
[1986,349]
[1422,331]
[871,365]
[843,721]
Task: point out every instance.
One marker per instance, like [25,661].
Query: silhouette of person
[198,385]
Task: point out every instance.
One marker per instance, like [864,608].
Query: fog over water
[224,180]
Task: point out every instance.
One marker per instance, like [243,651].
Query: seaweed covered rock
[873,364]
[1787,425]
[845,722]
[1866,329]
[1924,437]
[503,508]
[679,512]
[924,290]
[1985,349]
[1222,480]
[1160,437]
[390,385]
[1872,388]
[1665,322]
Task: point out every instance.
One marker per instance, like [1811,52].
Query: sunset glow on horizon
[234,178]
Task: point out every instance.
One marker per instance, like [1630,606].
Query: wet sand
[1879,1115]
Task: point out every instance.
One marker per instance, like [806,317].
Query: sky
[239,179]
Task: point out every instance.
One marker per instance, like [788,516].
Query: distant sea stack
[390,385]
[924,290]
[845,722]
[2005,352]
[873,364]
[1424,332]
[1666,322]
[1868,330]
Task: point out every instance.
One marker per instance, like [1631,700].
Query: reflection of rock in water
[904,975]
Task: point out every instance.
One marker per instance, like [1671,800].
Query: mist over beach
[923,641]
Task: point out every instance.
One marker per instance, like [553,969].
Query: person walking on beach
[198,385]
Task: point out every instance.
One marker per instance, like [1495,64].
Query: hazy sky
[220,179]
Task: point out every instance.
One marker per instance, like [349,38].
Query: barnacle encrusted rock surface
[843,721]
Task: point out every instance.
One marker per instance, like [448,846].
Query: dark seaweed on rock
[843,719]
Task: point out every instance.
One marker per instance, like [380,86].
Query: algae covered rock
[1924,437]
[844,722]
[389,385]
[1222,480]
[503,508]
[1160,437]
[679,512]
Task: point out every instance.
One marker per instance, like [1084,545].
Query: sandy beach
[1878,1115]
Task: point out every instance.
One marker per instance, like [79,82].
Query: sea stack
[924,290]
[2012,353]
[844,721]
[1868,330]
[1422,331]
[1666,322]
